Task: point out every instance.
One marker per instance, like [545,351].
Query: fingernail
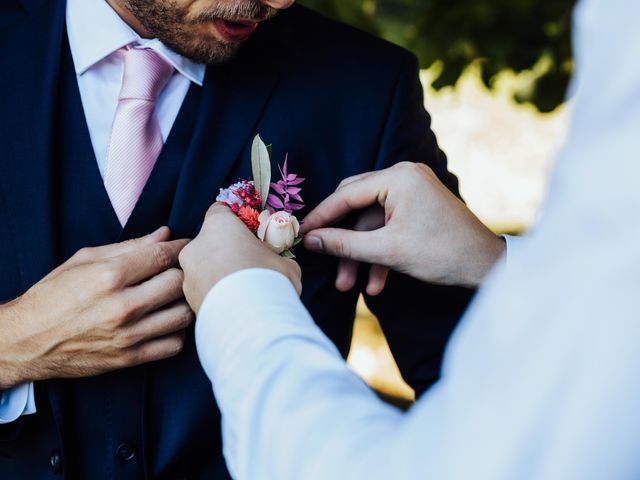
[314,243]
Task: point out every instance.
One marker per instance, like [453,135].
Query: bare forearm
[105,309]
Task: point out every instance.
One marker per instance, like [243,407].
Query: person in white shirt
[540,379]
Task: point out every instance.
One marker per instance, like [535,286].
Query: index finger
[356,195]
[220,218]
[149,261]
[217,208]
[87,255]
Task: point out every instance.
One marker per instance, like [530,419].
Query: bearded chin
[167,21]
[212,52]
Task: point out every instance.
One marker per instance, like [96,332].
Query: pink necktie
[136,140]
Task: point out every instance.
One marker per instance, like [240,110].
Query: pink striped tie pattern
[136,140]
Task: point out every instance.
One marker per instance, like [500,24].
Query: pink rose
[279,231]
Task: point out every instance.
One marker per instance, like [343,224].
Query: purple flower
[286,194]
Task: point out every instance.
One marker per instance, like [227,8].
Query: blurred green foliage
[500,35]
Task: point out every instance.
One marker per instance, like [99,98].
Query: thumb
[366,247]
[108,251]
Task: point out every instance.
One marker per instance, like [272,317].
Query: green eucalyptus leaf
[261,166]
[288,254]
[298,241]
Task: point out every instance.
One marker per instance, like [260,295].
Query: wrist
[12,371]
[9,377]
[488,254]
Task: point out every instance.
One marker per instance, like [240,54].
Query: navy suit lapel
[233,98]
[31,51]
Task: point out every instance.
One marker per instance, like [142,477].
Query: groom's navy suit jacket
[338,101]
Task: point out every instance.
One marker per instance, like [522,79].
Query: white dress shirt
[95,31]
[541,379]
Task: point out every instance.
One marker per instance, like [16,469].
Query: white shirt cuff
[17,402]
[512,245]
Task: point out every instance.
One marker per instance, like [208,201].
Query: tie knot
[146,73]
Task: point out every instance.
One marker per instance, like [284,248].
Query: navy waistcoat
[105,438]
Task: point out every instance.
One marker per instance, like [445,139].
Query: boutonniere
[265,207]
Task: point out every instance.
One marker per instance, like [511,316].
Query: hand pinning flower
[269,216]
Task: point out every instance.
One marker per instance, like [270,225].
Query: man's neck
[128,17]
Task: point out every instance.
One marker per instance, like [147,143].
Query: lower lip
[235,32]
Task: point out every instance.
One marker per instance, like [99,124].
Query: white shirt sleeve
[280,382]
[16,402]
[555,395]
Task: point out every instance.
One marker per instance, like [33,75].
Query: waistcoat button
[125,452]
[56,462]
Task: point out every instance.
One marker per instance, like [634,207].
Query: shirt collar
[96,31]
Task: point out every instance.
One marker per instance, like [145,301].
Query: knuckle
[175,345]
[133,356]
[350,180]
[187,316]
[111,276]
[412,169]
[404,166]
[178,274]
[124,340]
[423,167]
[414,175]
[343,249]
[123,311]
[180,318]
[84,255]
[174,279]
[162,256]
[426,170]
[344,182]
[421,170]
